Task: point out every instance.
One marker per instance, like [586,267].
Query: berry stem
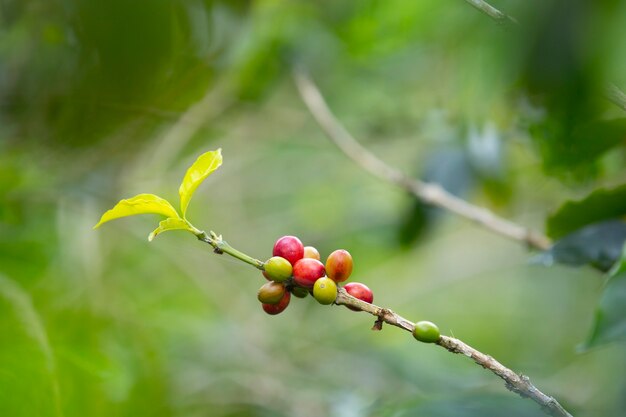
[221,246]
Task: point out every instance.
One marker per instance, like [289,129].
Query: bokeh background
[101,100]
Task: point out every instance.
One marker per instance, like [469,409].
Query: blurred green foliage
[609,324]
[101,100]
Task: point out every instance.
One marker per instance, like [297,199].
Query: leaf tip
[100,223]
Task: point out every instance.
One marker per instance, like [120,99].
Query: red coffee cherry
[339,265]
[290,248]
[311,252]
[360,291]
[271,293]
[273,309]
[306,271]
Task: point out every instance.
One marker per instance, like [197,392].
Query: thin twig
[220,247]
[427,192]
[492,12]
[519,384]
[516,383]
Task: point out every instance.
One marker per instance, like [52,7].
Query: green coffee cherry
[325,290]
[300,292]
[278,269]
[426,332]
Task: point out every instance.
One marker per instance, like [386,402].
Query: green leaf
[599,245]
[139,204]
[202,168]
[580,145]
[600,205]
[610,320]
[29,380]
[171,223]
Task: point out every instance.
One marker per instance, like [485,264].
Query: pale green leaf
[172,223]
[202,168]
[139,204]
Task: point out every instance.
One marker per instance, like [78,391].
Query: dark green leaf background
[102,100]
[610,320]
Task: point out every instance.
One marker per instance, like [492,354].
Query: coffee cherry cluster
[295,269]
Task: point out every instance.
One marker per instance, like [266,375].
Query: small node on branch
[378,324]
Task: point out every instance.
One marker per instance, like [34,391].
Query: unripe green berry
[278,269]
[271,293]
[426,332]
[325,290]
[300,292]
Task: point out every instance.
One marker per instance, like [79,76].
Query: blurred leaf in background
[102,100]
[610,320]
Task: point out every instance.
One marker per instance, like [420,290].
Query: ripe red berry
[360,291]
[274,309]
[339,265]
[311,252]
[290,248]
[306,271]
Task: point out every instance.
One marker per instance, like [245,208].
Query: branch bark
[517,383]
[427,192]
[491,11]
